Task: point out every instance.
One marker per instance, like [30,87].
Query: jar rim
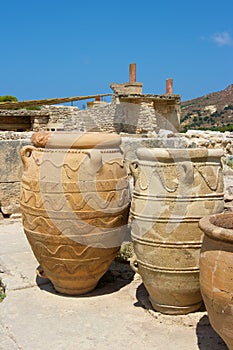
[80,140]
[178,153]
[218,226]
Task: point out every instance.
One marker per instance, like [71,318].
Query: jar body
[75,204]
[173,190]
[216,265]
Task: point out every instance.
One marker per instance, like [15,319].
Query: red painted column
[132,73]
[169,85]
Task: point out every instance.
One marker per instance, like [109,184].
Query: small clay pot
[216,273]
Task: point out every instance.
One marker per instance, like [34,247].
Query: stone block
[10,160]
[10,197]
[228,184]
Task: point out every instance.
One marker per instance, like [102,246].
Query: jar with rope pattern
[174,189]
[75,202]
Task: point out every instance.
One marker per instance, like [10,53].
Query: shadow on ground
[207,338]
[143,298]
[118,275]
[144,302]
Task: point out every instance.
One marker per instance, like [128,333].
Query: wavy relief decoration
[145,182]
[57,164]
[51,226]
[98,202]
[58,226]
[72,269]
[39,224]
[202,170]
[31,198]
[63,251]
[72,252]
[120,162]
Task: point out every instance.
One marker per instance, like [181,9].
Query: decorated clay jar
[75,203]
[174,188]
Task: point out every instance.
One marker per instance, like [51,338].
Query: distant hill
[212,111]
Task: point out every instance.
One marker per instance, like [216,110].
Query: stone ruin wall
[11,165]
[126,88]
[24,119]
[134,117]
[168,115]
[117,117]
[11,170]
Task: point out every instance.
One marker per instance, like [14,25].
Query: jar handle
[95,161]
[25,153]
[134,263]
[134,169]
[40,272]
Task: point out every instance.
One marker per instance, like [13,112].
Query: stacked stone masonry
[132,116]
[23,119]
[126,88]
[11,170]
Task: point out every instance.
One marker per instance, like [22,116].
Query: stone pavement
[117,315]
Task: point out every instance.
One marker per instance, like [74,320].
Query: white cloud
[223,39]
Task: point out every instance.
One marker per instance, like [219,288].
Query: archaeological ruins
[148,119]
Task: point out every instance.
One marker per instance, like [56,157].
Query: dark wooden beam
[49,101]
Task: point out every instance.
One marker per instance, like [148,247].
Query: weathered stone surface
[17,263]
[6,341]
[209,139]
[228,182]
[125,114]
[23,119]
[12,135]
[116,314]
[127,88]
[11,170]
[10,197]
[10,160]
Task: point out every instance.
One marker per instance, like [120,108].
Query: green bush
[228,107]
[2,292]
[215,114]
[33,108]
[8,98]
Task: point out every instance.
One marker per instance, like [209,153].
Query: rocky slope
[212,111]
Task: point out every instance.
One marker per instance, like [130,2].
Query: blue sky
[69,48]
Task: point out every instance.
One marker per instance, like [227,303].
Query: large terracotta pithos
[75,202]
[174,188]
[216,273]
